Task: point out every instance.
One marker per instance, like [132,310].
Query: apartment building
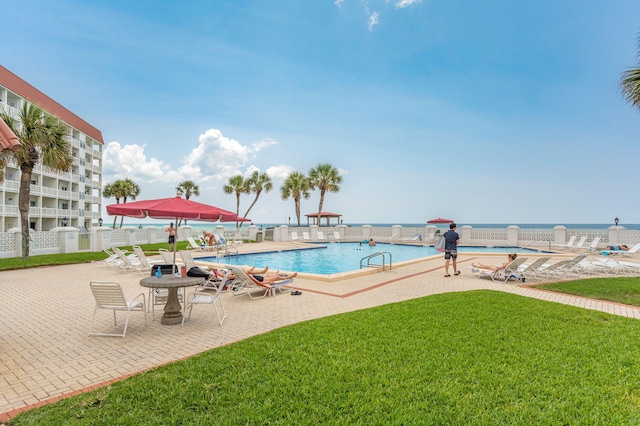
[57,199]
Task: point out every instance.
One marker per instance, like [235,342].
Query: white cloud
[373,20]
[338,3]
[214,159]
[401,4]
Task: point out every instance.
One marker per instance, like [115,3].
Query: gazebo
[317,217]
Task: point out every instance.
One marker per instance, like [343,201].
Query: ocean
[231,225]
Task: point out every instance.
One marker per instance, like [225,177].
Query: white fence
[65,239]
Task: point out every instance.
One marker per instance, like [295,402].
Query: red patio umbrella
[174,208]
[440,220]
[8,140]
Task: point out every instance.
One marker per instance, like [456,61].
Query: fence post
[512,235]
[68,239]
[559,235]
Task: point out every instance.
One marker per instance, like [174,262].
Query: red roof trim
[35,96]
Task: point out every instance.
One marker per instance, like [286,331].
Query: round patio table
[172,312]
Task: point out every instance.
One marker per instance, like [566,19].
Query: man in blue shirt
[451,238]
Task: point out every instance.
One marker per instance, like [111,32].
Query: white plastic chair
[205,296]
[109,295]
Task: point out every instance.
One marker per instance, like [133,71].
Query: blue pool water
[342,257]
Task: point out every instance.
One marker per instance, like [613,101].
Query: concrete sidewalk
[45,353]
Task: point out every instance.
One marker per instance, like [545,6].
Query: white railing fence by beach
[66,239]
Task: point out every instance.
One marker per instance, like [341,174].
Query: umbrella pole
[175,248]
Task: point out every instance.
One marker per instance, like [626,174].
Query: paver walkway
[45,353]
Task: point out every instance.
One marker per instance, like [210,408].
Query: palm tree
[295,186]
[188,188]
[324,177]
[121,189]
[130,190]
[630,84]
[42,139]
[256,183]
[237,185]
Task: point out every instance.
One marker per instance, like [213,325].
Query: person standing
[451,239]
[172,235]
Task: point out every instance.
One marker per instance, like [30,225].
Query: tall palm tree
[630,84]
[324,177]
[121,190]
[256,183]
[42,139]
[131,190]
[188,188]
[295,186]
[115,190]
[237,185]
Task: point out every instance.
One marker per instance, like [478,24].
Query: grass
[471,358]
[72,258]
[624,290]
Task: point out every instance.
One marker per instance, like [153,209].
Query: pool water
[341,257]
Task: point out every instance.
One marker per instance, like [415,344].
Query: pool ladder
[382,254]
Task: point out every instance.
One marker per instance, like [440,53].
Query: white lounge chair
[510,272]
[305,236]
[320,236]
[293,236]
[569,243]
[530,271]
[244,282]
[580,242]
[336,236]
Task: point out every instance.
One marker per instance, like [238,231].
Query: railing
[382,254]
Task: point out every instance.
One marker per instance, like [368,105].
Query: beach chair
[194,245]
[109,295]
[128,263]
[245,282]
[510,272]
[320,236]
[336,236]
[569,243]
[293,236]
[142,258]
[305,236]
[580,243]
[529,271]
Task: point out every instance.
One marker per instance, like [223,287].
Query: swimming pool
[343,257]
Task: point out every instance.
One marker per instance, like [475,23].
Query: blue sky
[485,112]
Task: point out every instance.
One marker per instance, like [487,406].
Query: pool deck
[46,355]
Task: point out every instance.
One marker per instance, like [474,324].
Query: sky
[483,112]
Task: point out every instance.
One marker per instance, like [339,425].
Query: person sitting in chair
[620,247]
[493,268]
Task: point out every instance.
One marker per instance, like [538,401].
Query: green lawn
[621,290]
[471,358]
[72,258]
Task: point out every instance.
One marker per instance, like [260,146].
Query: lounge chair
[128,263]
[109,295]
[194,245]
[305,236]
[336,236]
[580,242]
[569,243]
[245,282]
[502,275]
[167,256]
[320,236]
[632,250]
[294,236]
[144,262]
[530,271]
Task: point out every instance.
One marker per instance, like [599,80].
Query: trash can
[259,237]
